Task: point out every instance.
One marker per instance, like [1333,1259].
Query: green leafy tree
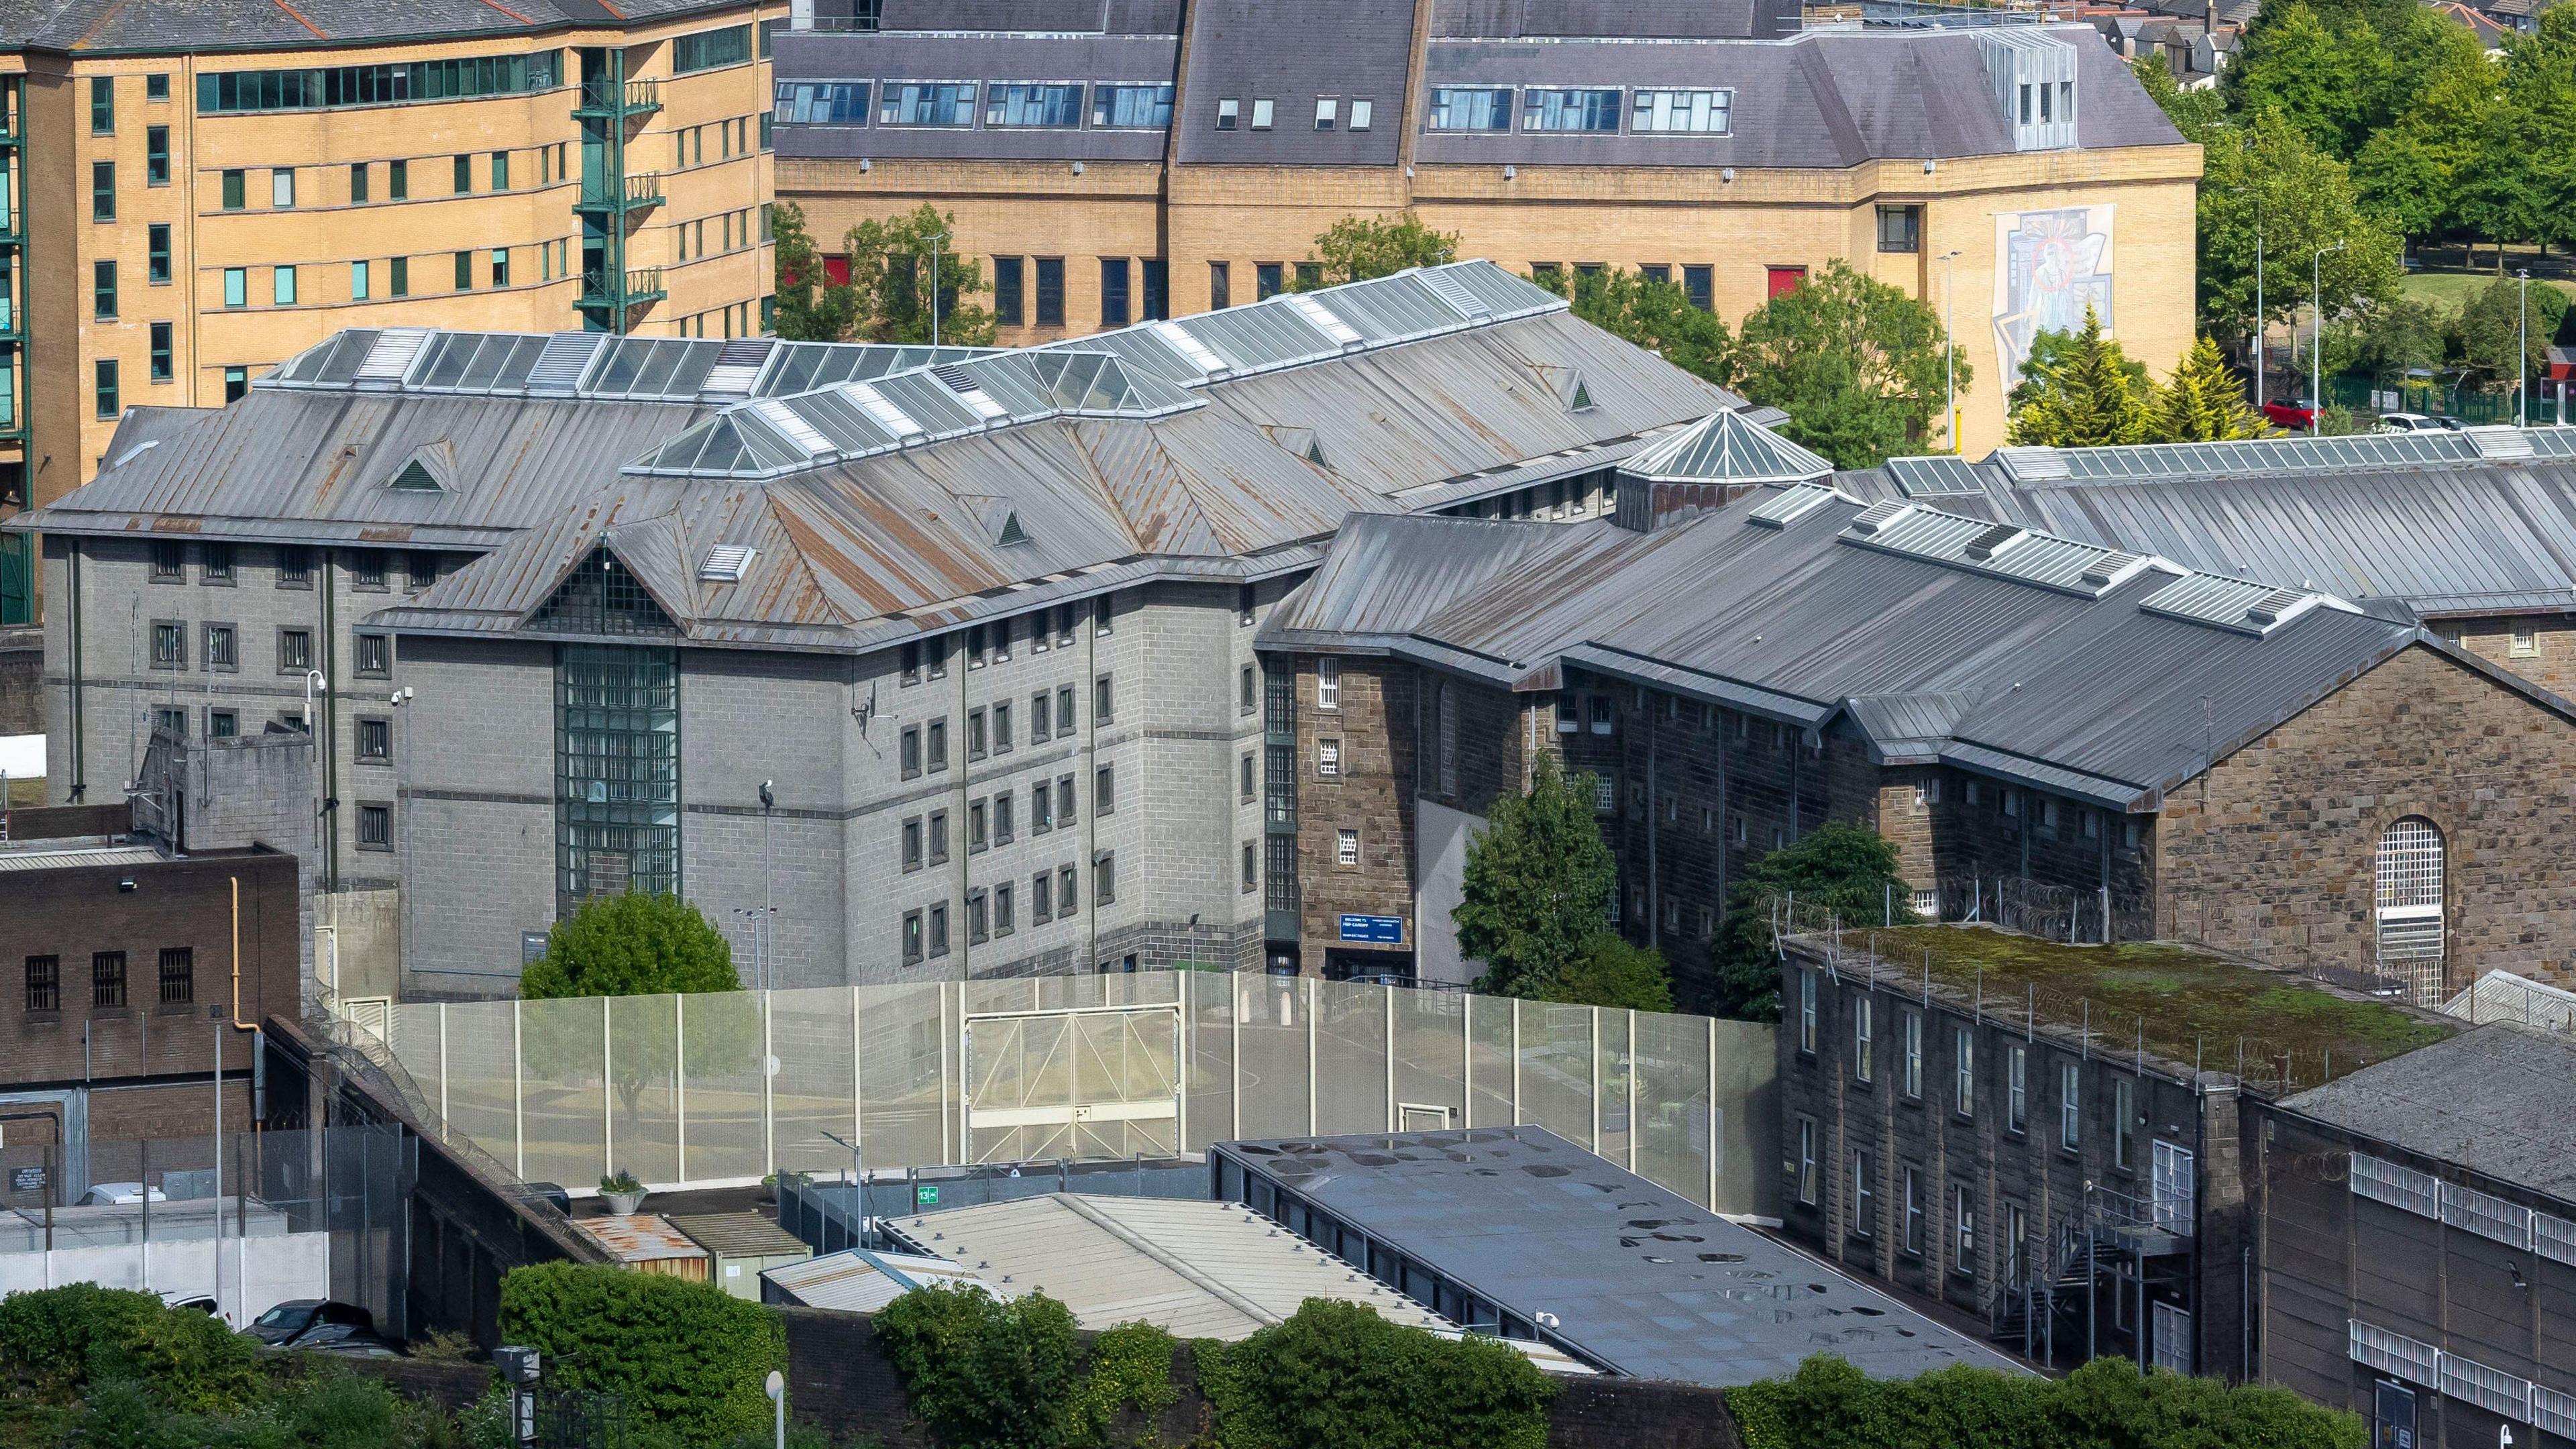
[2089,399]
[1357,248]
[1657,316]
[1855,363]
[1536,886]
[1839,871]
[2195,113]
[637,943]
[985,1373]
[890,263]
[2399,178]
[1337,1376]
[811,306]
[2540,86]
[2393,340]
[2491,328]
[2323,81]
[1614,972]
[2266,176]
[2203,402]
[688,1359]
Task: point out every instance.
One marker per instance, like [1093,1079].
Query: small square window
[281,188]
[1328,758]
[1228,111]
[1262,107]
[1346,847]
[44,983]
[2526,642]
[223,647]
[375,827]
[156,86]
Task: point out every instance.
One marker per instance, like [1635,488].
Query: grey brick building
[2081,740]
[898,664]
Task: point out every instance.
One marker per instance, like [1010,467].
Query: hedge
[1337,1376]
[2106,1404]
[686,1359]
[984,1373]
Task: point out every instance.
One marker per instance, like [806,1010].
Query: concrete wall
[256,1273]
[22,663]
[1444,836]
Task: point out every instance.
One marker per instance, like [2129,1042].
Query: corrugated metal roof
[1199,1268]
[2503,996]
[2092,691]
[640,1237]
[110,856]
[740,1235]
[854,1282]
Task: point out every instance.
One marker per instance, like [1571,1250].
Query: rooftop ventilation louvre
[566,358]
[1993,541]
[1450,290]
[738,367]
[2503,444]
[1876,517]
[726,562]
[1793,503]
[2238,605]
[1325,322]
[392,356]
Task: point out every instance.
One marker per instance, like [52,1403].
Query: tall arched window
[2410,905]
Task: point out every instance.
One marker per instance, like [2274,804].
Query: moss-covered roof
[2195,1006]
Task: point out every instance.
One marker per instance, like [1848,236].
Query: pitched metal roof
[2099,674]
[925,495]
[2492,1100]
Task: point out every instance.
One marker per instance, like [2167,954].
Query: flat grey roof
[1636,1277]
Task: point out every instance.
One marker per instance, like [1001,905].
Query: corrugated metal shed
[642,1238]
[855,1282]
[1198,1268]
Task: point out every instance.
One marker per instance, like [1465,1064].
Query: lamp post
[2317,339]
[1950,348]
[765,945]
[2258,316]
[2522,356]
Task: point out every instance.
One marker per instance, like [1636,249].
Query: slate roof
[1832,97]
[1637,1278]
[849,549]
[2103,676]
[2492,1100]
[154,26]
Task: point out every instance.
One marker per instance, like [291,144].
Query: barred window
[44,983]
[178,975]
[107,979]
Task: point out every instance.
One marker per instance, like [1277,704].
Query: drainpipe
[72,621]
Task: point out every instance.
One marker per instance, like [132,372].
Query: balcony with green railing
[636,191]
[618,291]
[617,100]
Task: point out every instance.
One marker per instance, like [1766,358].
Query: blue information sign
[1378,930]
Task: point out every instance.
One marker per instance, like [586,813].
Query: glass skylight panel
[882,411]
[330,364]
[800,432]
[1791,503]
[1939,476]
[1390,309]
[1503,294]
[1185,342]
[970,391]
[822,103]
[928,103]
[934,408]
[1584,109]
[1033,104]
[1469,108]
[1694,112]
[1262,336]
[1323,318]
[2558,442]
[1127,106]
[840,417]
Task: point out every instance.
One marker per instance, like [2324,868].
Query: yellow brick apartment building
[193,194]
[1117,160]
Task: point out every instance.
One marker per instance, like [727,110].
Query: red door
[1785,280]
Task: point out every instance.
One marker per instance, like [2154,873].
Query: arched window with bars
[2409,878]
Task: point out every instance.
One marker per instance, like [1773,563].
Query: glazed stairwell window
[2408,873]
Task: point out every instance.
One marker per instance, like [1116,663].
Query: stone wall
[2277,856]
[1374,774]
[22,664]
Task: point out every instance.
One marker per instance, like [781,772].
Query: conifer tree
[2087,399]
[2204,401]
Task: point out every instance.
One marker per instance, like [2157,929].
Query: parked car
[118,1194]
[2291,415]
[2416,423]
[325,1326]
[199,1302]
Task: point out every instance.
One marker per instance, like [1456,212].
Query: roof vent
[962,382]
[2274,606]
[725,563]
[414,478]
[391,358]
[2031,465]
[2109,568]
[1993,541]
[2499,442]
[1793,503]
[1011,532]
[1581,402]
[1877,516]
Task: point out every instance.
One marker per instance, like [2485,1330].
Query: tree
[1855,363]
[1613,972]
[1537,883]
[635,944]
[2322,81]
[2089,399]
[811,306]
[1838,871]
[2052,349]
[2395,339]
[1357,248]
[2491,327]
[2203,402]
[1657,316]
[2266,175]
[2194,113]
[889,266]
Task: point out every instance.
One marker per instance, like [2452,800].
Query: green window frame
[156,252]
[102,191]
[464,175]
[102,290]
[500,171]
[399,283]
[398,180]
[156,155]
[465,271]
[106,399]
[102,105]
[156,86]
[236,189]
[708,49]
[238,92]
[236,286]
[163,368]
[281,286]
[358,177]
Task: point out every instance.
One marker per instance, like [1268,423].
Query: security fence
[730,1087]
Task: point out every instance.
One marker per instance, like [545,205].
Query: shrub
[191,1361]
[983,1373]
[2106,1404]
[46,1337]
[1337,1376]
[1131,1372]
[687,1359]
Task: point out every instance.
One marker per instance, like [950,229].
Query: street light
[2258,314]
[2522,356]
[762,954]
[1950,347]
[2317,340]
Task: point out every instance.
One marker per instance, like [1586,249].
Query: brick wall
[2276,858]
[1377,730]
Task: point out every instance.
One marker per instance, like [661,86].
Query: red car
[2300,415]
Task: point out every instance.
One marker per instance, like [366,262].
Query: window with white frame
[1861,1054]
[1328,683]
[1914,1054]
[1864,1211]
[1964,1070]
[1807,1160]
[1913,1209]
[2070,1106]
[1807,1012]
[2410,927]
[1963,1225]
[2016,1086]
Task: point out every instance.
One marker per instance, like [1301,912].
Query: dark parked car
[323,1326]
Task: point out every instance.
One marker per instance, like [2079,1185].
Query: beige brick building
[193,198]
[1111,163]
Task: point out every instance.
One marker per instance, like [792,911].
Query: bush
[2106,1404]
[1131,1373]
[191,1361]
[687,1359]
[1337,1376]
[47,1337]
[983,1373]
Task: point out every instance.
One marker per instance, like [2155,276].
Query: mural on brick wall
[2049,265]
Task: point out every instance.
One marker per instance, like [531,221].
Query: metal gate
[1098,1082]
